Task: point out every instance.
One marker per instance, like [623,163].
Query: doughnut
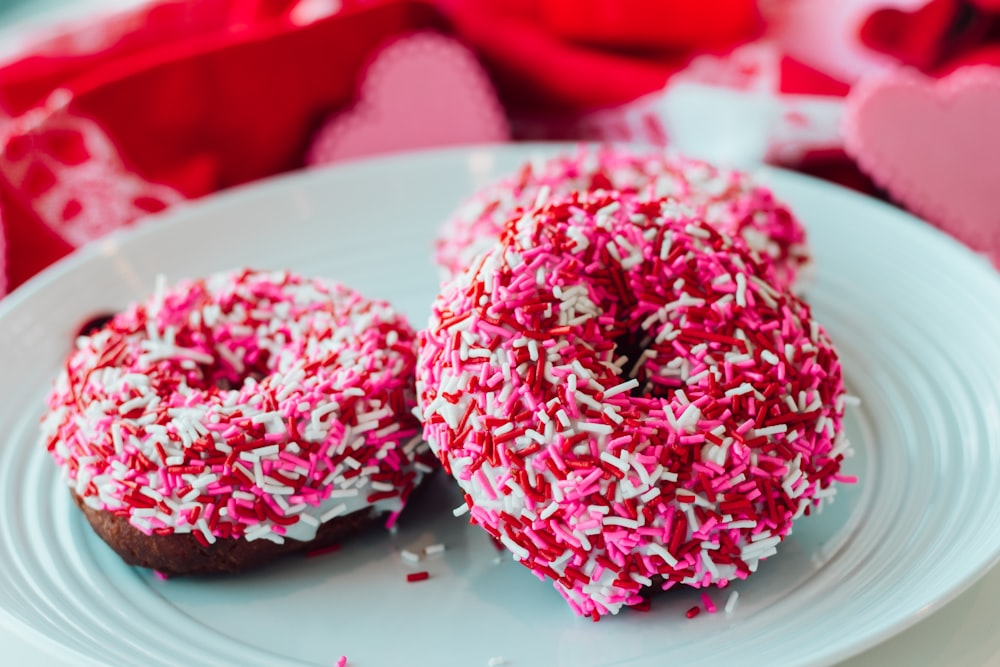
[626,403]
[725,198]
[229,420]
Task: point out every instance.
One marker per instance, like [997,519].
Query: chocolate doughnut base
[181,554]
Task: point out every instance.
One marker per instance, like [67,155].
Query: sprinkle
[731,602]
[433,549]
[621,388]
[417,576]
[410,556]
[693,611]
[496,661]
[342,661]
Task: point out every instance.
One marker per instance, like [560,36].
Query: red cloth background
[206,94]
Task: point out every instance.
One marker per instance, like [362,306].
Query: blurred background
[114,109]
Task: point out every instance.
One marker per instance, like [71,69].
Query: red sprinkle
[417,576]
[693,611]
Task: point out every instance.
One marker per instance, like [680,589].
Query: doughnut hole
[245,336]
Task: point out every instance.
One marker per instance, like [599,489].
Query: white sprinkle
[620,521]
[695,230]
[741,290]
[504,428]
[520,552]
[649,495]
[609,209]
[612,414]
[640,579]
[544,193]
[116,437]
[744,388]
[668,476]
[549,510]
[621,388]
[594,427]
[660,551]
[770,430]
[770,357]
[496,661]
[460,510]
[382,486]
[433,549]
[409,556]
[689,418]
[608,457]
[269,450]
[128,406]
[731,602]
[343,493]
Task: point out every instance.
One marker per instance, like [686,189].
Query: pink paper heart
[421,91]
[935,146]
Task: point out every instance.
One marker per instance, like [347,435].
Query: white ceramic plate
[913,313]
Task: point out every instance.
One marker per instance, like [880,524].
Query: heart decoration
[935,147]
[420,91]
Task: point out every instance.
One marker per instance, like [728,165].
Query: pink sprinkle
[707,601]
[162,576]
[342,662]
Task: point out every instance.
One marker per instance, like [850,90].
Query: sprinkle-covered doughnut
[727,199]
[243,408]
[626,403]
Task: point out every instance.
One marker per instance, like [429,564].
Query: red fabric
[58,60]
[194,97]
[656,25]
[536,70]
[554,55]
[31,246]
[226,109]
[185,97]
